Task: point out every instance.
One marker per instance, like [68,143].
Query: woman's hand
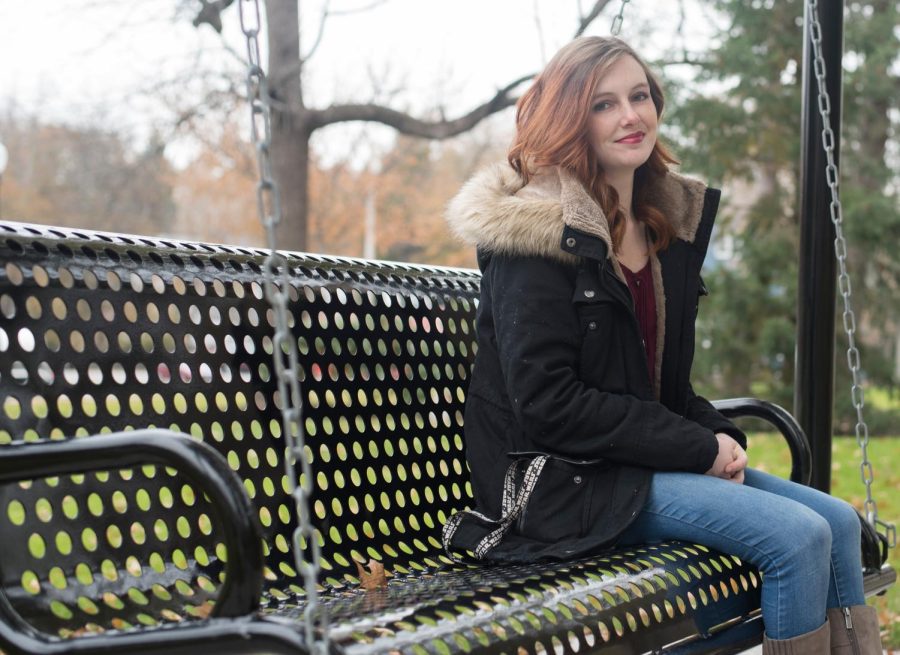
[731,460]
[735,470]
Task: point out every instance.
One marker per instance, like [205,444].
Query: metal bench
[119,534]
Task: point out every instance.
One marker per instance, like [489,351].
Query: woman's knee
[807,535]
[844,522]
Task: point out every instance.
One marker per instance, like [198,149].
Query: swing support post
[814,376]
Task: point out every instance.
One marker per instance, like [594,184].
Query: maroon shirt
[641,286]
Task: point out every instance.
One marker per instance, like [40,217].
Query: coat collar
[496,212]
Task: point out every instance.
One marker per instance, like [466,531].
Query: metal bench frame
[122,535]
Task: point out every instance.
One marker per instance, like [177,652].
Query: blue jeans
[805,542]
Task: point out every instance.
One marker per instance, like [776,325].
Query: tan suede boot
[854,630]
[812,643]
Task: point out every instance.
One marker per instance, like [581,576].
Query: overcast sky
[91,61]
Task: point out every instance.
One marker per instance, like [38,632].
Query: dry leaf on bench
[375,578]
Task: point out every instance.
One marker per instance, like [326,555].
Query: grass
[769,453]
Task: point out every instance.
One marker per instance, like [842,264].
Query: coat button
[577,479]
[589,293]
[592,325]
[570,242]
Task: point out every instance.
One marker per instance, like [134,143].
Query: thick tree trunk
[290,129]
[290,166]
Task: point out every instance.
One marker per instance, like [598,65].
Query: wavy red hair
[565,88]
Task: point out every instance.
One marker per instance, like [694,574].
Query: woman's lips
[635,137]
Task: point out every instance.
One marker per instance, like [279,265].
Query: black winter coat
[561,368]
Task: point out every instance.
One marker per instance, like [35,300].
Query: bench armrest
[198,462]
[780,418]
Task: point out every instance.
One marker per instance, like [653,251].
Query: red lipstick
[634,137]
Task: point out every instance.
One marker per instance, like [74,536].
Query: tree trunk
[290,166]
[290,129]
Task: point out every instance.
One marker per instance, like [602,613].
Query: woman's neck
[623,183]
[633,250]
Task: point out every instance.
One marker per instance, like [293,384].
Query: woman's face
[622,125]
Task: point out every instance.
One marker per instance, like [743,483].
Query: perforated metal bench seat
[146,541]
[635,598]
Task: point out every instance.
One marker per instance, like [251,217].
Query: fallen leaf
[86,630]
[374,578]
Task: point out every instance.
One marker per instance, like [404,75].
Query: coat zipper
[622,287]
[851,635]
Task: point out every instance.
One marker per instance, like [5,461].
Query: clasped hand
[731,460]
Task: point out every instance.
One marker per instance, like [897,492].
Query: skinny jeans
[805,542]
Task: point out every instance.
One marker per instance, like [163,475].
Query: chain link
[617,20]
[857,394]
[306,547]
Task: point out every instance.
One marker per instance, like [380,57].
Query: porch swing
[153,423]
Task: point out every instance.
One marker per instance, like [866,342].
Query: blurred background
[130,117]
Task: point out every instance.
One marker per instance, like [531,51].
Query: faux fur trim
[489,213]
[681,200]
[495,211]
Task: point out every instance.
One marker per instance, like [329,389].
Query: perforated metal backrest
[103,333]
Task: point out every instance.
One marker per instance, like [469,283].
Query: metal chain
[840,250]
[617,21]
[284,347]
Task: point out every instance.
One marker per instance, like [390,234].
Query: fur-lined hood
[497,213]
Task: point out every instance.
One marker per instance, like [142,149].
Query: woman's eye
[601,106]
[640,96]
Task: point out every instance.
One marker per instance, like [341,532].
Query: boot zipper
[850,633]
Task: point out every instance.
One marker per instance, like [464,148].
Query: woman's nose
[629,115]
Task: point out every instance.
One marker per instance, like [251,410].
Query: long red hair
[565,88]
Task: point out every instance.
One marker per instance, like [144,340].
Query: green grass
[769,453]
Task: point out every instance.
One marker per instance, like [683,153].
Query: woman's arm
[700,410]
[539,342]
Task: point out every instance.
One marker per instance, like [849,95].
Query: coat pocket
[560,504]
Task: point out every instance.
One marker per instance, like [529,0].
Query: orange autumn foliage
[89,179]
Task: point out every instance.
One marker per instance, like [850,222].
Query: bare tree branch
[327,12]
[406,124]
[686,60]
[382,90]
[441,129]
[319,35]
[585,21]
[540,32]
[358,10]
[682,21]
[211,13]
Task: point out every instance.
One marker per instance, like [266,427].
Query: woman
[591,249]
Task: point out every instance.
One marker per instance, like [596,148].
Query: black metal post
[814,384]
